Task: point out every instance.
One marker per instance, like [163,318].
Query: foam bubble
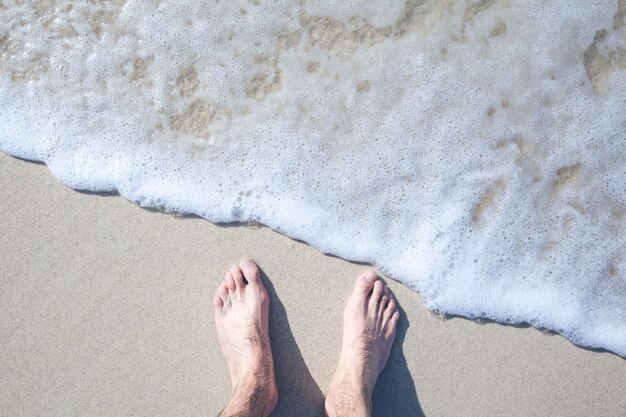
[472,150]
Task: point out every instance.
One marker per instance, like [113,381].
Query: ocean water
[474,150]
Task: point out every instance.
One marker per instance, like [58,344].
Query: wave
[474,151]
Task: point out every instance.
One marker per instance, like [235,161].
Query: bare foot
[369,328]
[241,316]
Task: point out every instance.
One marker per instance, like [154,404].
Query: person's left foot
[241,316]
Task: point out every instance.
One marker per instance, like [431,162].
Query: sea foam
[474,150]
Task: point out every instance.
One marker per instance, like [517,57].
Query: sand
[106,311]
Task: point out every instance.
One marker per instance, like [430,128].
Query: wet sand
[106,310]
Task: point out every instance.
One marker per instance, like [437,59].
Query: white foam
[473,150]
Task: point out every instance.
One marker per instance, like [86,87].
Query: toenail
[370,277]
[247,263]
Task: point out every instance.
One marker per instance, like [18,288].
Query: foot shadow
[298,393]
[394,393]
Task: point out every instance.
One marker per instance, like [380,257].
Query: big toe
[364,284]
[250,271]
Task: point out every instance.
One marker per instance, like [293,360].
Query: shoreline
[107,310]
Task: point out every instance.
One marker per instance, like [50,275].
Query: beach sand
[106,311]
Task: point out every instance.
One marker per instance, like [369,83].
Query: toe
[390,309]
[230,282]
[377,293]
[382,305]
[217,301]
[390,323]
[237,277]
[250,271]
[383,301]
[364,284]
[394,321]
[222,292]
[395,318]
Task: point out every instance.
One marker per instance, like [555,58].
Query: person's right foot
[369,328]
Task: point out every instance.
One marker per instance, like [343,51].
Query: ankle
[254,404]
[254,395]
[355,373]
[349,396]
